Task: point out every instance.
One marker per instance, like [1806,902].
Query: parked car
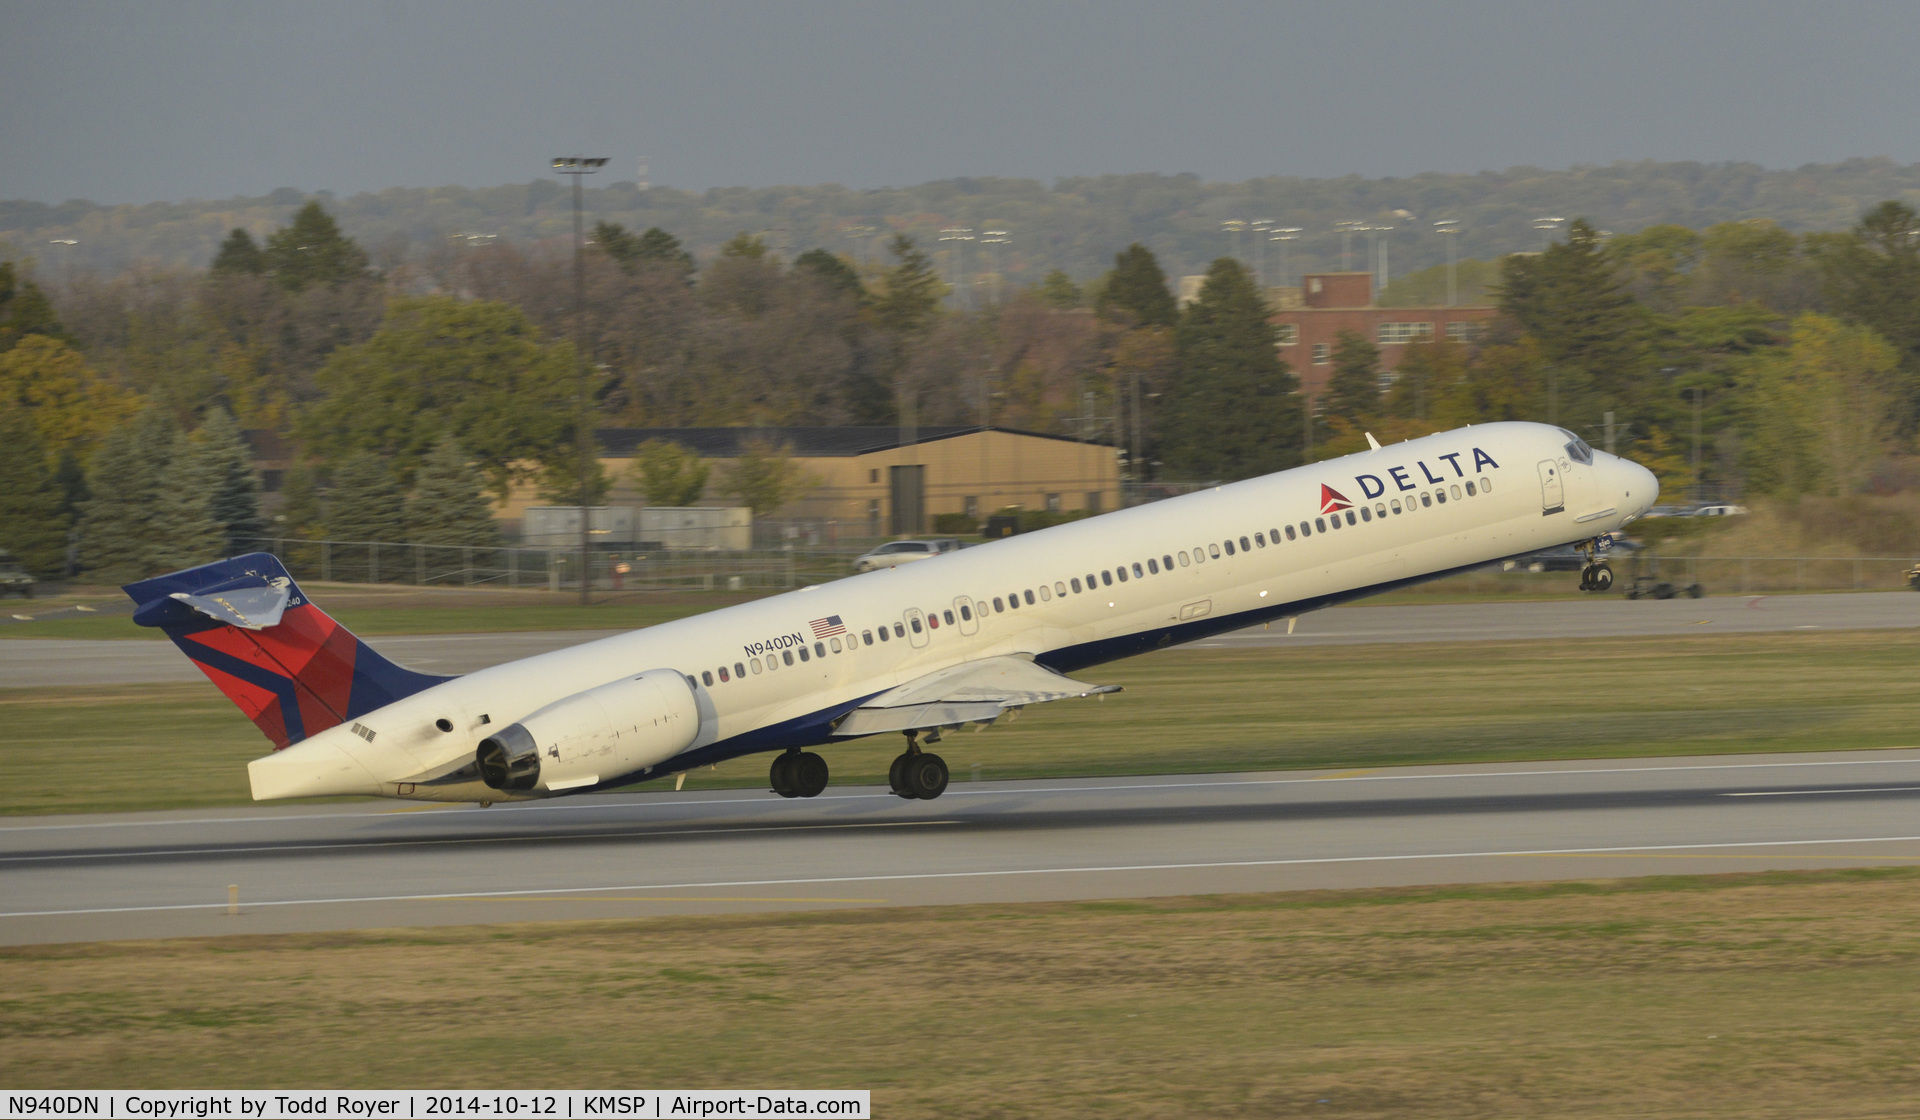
[1720,509]
[13,579]
[1567,558]
[896,553]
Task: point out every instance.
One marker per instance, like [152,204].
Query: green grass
[1183,711]
[1773,996]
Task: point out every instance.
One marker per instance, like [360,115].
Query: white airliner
[920,649]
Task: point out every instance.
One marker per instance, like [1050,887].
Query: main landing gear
[1598,574]
[917,774]
[798,774]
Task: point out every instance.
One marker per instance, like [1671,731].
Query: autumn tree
[669,474]
[70,402]
[764,477]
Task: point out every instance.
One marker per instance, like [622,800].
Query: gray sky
[164,99]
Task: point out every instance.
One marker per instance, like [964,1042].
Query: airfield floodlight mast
[1386,273]
[1549,226]
[1450,226]
[1346,229]
[1283,235]
[578,166]
[1259,227]
[995,238]
[959,235]
[1233,227]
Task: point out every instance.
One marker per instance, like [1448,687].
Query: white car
[1722,510]
[904,552]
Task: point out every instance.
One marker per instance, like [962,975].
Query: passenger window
[803,654]
[1380,510]
[1366,514]
[1456,491]
[756,666]
[916,625]
[707,679]
[739,670]
[1440,495]
[1319,522]
[1076,585]
[1486,487]
[1045,595]
[1059,589]
[1426,499]
[1244,547]
[1290,532]
[723,675]
[1106,579]
[1153,566]
[1213,550]
[947,617]
[1260,539]
[1121,571]
[1137,573]
[966,613]
[1029,597]
[1395,504]
[1013,601]
[835,644]
[1165,562]
[899,631]
[933,620]
[786,655]
[1470,490]
[1229,546]
[1349,517]
[883,633]
[1182,554]
[998,606]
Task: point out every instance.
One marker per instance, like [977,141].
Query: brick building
[1327,303]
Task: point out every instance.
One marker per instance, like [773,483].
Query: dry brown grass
[1776,995]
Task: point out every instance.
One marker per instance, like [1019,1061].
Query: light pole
[995,238]
[1450,227]
[1259,227]
[1232,227]
[1283,235]
[1386,273]
[578,166]
[1347,229]
[1548,226]
[959,236]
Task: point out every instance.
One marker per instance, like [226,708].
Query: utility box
[559,527]
[703,528]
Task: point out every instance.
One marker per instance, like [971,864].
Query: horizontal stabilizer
[251,608]
[974,692]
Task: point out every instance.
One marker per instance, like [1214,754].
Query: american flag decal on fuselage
[828,627]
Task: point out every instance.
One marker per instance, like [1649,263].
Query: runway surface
[304,868]
[40,663]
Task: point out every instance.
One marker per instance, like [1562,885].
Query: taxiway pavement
[47,662]
[301,868]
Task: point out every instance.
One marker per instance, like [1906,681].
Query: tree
[300,513]
[448,506]
[1058,291]
[33,524]
[365,502]
[1230,411]
[669,474]
[438,367]
[24,310]
[618,242]
[765,478]
[234,503]
[1817,415]
[184,531]
[313,251]
[239,254]
[1135,293]
[657,246]
[118,534]
[1590,330]
[1353,392]
[1873,278]
[832,271]
[70,403]
[1427,370]
[905,310]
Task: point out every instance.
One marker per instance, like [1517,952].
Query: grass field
[1184,711]
[1775,995]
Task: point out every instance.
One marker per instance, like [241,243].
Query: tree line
[422,389]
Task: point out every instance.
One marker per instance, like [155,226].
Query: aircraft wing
[973,692]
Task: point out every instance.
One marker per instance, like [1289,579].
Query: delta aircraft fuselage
[790,671]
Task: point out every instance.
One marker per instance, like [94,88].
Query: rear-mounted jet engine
[593,736]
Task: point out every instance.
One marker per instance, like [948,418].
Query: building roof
[803,443]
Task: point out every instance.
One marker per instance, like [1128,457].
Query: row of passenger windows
[1380,510]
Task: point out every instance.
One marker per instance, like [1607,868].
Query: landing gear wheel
[1695,591]
[926,776]
[808,772]
[896,776]
[1602,579]
[781,774]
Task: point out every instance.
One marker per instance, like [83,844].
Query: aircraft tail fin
[277,656]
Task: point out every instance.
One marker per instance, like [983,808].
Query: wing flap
[973,692]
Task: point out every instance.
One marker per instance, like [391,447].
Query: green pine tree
[1592,333]
[365,503]
[1230,411]
[662,249]
[235,501]
[24,310]
[833,271]
[617,242]
[313,251]
[33,526]
[1135,292]
[1058,291]
[239,254]
[184,531]
[1353,392]
[117,528]
[448,505]
[300,514]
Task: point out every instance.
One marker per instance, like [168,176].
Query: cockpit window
[1577,448]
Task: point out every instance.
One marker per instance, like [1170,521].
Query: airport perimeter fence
[555,569]
[1728,575]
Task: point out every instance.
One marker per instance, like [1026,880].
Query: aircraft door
[1553,491]
[966,611]
[916,628]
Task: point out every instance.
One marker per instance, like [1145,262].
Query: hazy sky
[162,99]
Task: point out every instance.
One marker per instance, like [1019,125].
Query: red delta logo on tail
[1331,499]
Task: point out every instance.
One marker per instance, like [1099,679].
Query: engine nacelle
[594,735]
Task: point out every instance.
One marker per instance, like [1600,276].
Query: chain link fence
[555,569]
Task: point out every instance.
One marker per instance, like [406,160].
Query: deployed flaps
[249,608]
[974,692]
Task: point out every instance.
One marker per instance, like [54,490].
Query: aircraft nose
[1639,487]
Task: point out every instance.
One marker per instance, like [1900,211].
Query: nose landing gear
[916,773]
[1597,576]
